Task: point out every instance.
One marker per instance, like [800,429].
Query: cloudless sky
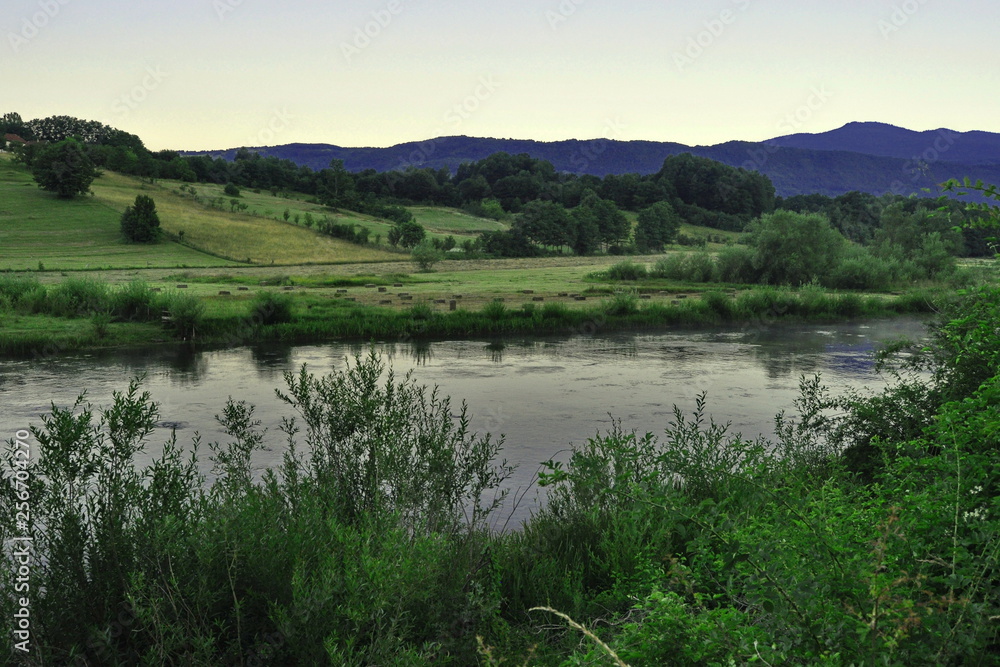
[213,74]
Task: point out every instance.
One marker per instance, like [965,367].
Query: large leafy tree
[140,223]
[612,224]
[657,225]
[546,223]
[794,248]
[406,234]
[64,168]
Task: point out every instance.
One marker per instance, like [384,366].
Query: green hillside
[39,229]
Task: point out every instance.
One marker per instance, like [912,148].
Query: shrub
[133,302]
[187,314]
[696,267]
[794,248]
[621,304]
[78,297]
[15,287]
[671,267]
[627,270]
[271,308]
[860,271]
[231,190]
[719,303]
[734,264]
[421,312]
[426,255]
[555,311]
[494,310]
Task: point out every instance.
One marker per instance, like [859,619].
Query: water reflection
[544,393]
[496,348]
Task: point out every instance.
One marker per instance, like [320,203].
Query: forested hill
[890,141]
[793,170]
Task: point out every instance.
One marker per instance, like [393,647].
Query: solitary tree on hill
[140,224]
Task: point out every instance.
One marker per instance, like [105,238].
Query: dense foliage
[139,222]
[63,168]
[866,532]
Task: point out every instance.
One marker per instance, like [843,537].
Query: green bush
[671,267]
[134,301]
[734,264]
[622,304]
[494,310]
[15,287]
[426,255]
[78,297]
[187,313]
[861,271]
[269,308]
[627,270]
[696,267]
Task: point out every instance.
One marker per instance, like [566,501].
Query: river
[543,393]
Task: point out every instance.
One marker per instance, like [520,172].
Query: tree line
[548,211]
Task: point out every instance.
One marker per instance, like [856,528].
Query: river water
[543,393]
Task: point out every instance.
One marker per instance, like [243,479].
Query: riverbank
[79,315]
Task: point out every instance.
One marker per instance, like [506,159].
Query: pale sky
[213,74]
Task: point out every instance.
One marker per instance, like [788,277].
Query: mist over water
[542,393]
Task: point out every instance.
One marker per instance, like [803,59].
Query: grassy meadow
[38,230]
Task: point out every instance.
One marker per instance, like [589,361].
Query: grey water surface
[543,393]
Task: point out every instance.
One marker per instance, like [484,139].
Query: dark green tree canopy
[64,168]
[140,223]
[406,234]
[794,248]
[546,223]
[657,226]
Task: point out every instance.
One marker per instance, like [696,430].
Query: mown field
[38,230]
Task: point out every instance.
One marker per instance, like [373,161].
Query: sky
[215,74]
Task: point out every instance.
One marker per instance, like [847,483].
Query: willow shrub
[367,546]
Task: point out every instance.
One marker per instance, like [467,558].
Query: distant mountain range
[868,157]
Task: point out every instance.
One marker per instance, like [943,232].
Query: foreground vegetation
[866,533]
